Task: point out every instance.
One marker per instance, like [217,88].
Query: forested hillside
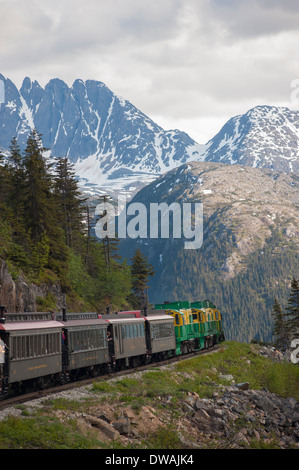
[45,234]
[250,243]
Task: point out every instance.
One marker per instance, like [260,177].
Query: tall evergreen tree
[38,201]
[69,200]
[280,330]
[40,208]
[141,271]
[15,186]
[292,309]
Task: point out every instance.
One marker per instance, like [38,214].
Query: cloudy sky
[187,64]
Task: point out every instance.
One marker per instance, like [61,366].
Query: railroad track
[19,399]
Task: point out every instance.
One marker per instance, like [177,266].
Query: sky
[187,64]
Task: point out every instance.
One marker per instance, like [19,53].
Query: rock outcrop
[240,417]
[19,295]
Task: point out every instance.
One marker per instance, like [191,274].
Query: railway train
[40,349]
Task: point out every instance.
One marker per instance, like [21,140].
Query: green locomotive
[197,325]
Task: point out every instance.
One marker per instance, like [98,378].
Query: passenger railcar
[32,350]
[127,340]
[160,335]
[84,343]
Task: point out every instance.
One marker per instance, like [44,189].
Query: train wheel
[134,362]
[91,372]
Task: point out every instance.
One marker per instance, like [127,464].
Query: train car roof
[28,316]
[80,322]
[29,325]
[121,319]
[159,317]
[125,312]
[111,316]
[76,316]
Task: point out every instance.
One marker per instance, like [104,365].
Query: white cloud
[189,62]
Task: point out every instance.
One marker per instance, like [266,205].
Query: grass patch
[164,438]
[243,362]
[43,433]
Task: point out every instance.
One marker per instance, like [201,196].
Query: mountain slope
[104,135]
[250,242]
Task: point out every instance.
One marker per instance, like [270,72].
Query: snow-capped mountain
[109,140]
[264,137]
[114,146]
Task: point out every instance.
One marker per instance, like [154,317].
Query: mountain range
[114,146]
[110,141]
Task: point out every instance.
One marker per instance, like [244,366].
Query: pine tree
[15,186]
[292,310]
[141,270]
[280,330]
[41,209]
[69,200]
[38,209]
[16,164]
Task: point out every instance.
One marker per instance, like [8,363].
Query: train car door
[4,363]
[120,340]
[64,349]
[110,338]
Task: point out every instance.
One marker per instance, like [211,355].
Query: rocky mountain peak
[264,137]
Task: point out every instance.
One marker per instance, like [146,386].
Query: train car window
[124,331]
[177,319]
[23,354]
[31,348]
[162,330]
[135,334]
